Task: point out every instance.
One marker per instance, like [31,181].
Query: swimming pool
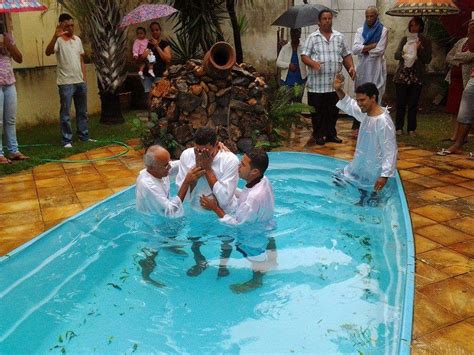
[333,277]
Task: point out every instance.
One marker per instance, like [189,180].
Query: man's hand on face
[205,160]
[380,183]
[193,175]
[59,31]
[208,203]
[338,82]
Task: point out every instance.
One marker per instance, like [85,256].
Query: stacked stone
[187,98]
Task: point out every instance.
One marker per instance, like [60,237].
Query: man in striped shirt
[325,52]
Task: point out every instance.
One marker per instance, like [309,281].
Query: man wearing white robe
[255,203]
[370,42]
[220,169]
[375,157]
[153,184]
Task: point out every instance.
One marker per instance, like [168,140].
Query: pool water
[332,277]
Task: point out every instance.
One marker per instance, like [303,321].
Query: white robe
[152,194]
[376,150]
[253,205]
[371,67]
[225,167]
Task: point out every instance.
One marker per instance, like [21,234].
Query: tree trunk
[230,4]
[111,113]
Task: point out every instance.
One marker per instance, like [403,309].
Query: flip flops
[470,156]
[444,152]
[4,160]
[18,156]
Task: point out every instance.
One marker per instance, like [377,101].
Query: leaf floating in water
[110,340]
[115,286]
[70,334]
[135,346]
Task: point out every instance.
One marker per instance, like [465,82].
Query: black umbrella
[301,16]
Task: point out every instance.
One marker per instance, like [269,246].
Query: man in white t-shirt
[71,78]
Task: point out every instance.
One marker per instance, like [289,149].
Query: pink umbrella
[20,6]
[147,12]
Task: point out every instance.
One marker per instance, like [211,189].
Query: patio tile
[424,170]
[426,274]
[467,173]
[118,189]
[57,182]
[53,191]
[443,234]
[463,163]
[19,218]
[428,182]
[420,221]
[410,187]
[420,153]
[455,339]
[117,174]
[52,223]
[25,205]
[433,195]
[428,315]
[23,232]
[90,185]
[122,182]
[49,174]
[467,278]
[454,190]
[18,186]
[463,224]
[406,164]
[466,248]
[73,166]
[94,195]
[15,178]
[58,200]
[468,184]
[464,206]
[84,178]
[420,348]
[450,178]
[437,213]
[423,244]
[82,170]
[447,261]
[61,212]
[408,175]
[14,196]
[454,295]
[47,167]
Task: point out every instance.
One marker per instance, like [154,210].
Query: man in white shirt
[220,166]
[71,78]
[375,156]
[369,45]
[255,203]
[255,206]
[153,184]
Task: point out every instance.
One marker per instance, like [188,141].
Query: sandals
[18,156]
[444,152]
[470,156]
[4,160]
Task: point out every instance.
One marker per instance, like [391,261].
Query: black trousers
[407,96]
[325,116]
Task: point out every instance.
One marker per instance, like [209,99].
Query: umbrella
[7,6]
[147,12]
[301,16]
[423,8]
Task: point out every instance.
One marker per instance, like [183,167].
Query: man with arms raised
[375,157]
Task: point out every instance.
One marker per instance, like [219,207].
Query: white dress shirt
[253,205]
[153,194]
[225,167]
[376,150]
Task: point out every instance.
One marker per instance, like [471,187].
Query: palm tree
[100,20]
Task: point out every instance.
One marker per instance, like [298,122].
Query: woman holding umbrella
[8,98]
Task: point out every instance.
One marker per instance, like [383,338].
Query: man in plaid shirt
[325,52]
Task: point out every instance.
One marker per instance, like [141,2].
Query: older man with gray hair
[370,42]
[153,184]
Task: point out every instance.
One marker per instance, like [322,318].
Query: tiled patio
[440,193]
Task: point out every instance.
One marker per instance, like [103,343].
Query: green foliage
[283,112]
[184,48]
[199,22]
[243,24]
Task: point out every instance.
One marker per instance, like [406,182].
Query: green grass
[49,135]
[431,130]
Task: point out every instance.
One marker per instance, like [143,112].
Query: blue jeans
[78,92]
[8,117]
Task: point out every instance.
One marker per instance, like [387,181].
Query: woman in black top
[408,81]
[160,48]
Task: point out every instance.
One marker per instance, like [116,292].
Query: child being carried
[139,47]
